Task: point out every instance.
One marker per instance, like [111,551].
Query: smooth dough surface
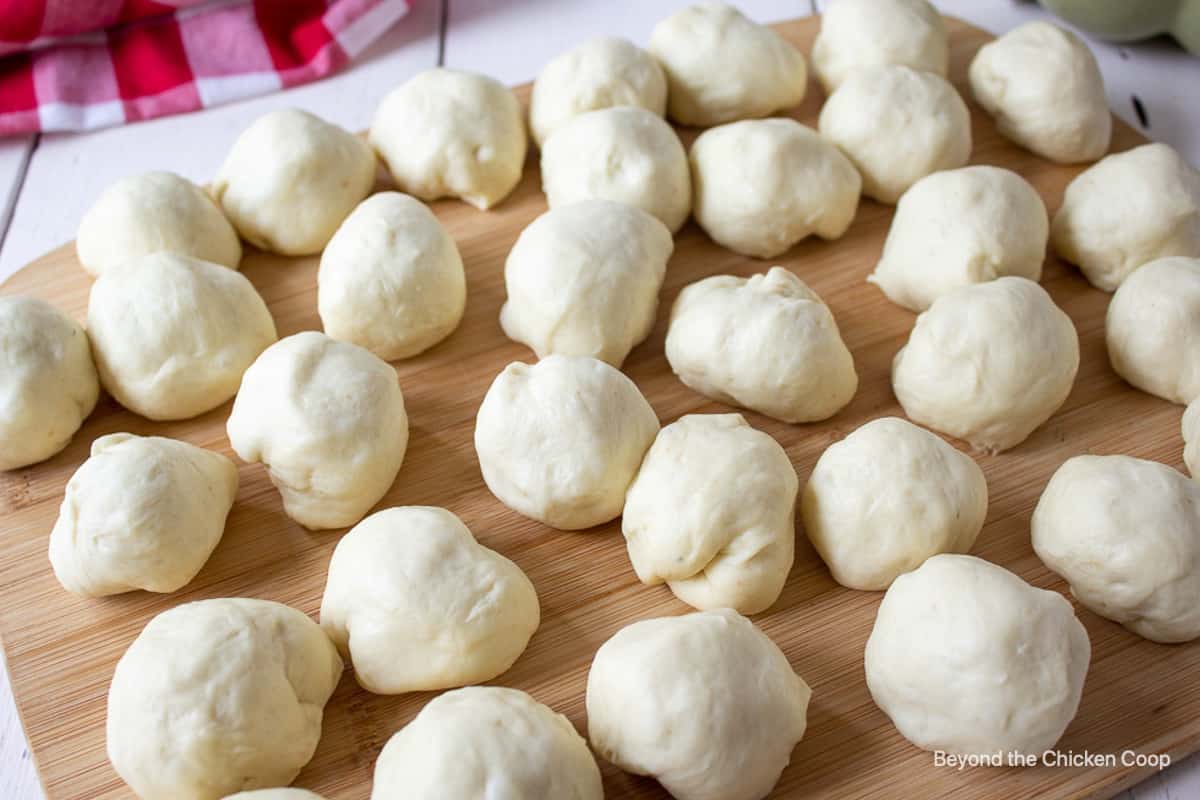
[276,794]
[967,658]
[704,703]
[560,440]
[219,696]
[1190,427]
[327,419]
[767,343]
[867,33]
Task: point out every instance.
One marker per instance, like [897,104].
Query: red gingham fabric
[67,65]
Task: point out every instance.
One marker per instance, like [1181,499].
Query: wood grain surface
[1139,696]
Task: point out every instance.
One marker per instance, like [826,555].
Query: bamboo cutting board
[1141,696]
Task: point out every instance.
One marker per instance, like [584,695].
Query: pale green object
[1125,21]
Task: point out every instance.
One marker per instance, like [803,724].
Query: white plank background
[47,182]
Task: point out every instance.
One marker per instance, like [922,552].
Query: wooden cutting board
[1139,696]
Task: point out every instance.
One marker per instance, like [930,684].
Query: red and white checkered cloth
[69,65]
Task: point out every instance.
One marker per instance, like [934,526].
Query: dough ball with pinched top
[866,33]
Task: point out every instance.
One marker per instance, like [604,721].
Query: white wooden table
[46,182]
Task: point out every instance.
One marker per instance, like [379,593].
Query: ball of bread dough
[704,703]
[1043,87]
[760,186]
[722,66]
[290,179]
[1126,210]
[959,227]
[628,155]
[604,72]
[141,513]
[219,696]
[767,343]
[897,125]
[276,794]
[391,279]
[48,382]
[988,363]
[150,213]
[887,497]
[583,280]
[712,514]
[417,604]
[172,335]
[967,658]
[327,419]
[1190,425]
[867,33]
[560,440]
[452,133]
[486,741]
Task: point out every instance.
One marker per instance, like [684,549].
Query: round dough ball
[391,279]
[722,66]
[583,280]
[760,186]
[712,513]
[604,72]
[417,604]
[1126,210]
[451,133]
[290,179]
[767,343]
[959,227]
[1191,438]
[628,155]
[561,440]
[988,363]
[327,419]
[897,125]
[967,658]
[886,498]
[868,33]
[486,741]
[48,382]
[275,794]
[704,703]
[150,213]
[1042,85]
[172,335]
[141,513]
[218,696]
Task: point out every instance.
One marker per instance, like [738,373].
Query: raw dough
[172,335]
[327,419]
[988,363]
[583,280]
[452,133]
[391,279]
[766,343]
[887,497]
[1191,438]
[150,213]
[418,605]
[897,125]
[704,703]
[141,513]
[275,794]
[959,227]
[967,658]
[290,180]
[760,186]
[1126,210]
[486,741]
[625,154]
[560,440]
[218,696]
[722,66]
[867,33]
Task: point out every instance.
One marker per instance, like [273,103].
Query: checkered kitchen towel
[70,65]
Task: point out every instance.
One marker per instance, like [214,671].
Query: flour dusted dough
[704,703]
[988,363]
[327,419]
[967,658]
[275,794]
[760,186]
[1190,425]
[766,343]
[218,696]
[866,33]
